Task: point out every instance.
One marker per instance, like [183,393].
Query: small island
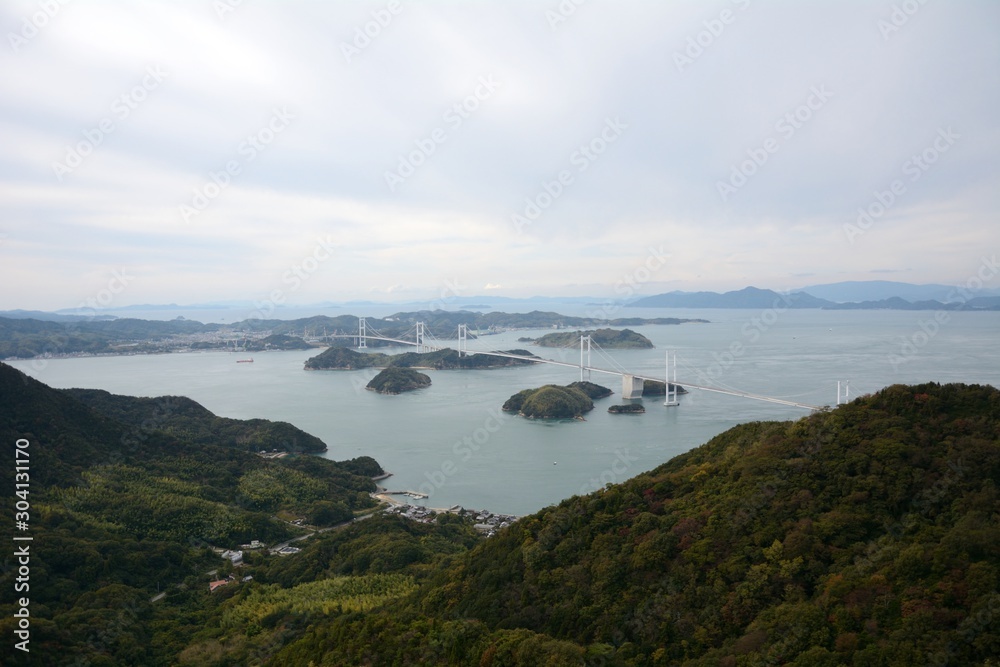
[610,339]
[397,380]
[550,402]
[627,409]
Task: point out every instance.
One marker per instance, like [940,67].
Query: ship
[245,361]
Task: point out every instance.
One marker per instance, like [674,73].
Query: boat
[245,361]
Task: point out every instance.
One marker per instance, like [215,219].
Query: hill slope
[866,536]
[189,420]
[119,509]
[748,297]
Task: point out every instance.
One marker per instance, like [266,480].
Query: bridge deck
[595,369]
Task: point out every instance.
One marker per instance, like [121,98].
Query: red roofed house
[212,585]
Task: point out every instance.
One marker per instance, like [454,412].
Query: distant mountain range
[51,317]
[753,297]
[878,290]
[861,295]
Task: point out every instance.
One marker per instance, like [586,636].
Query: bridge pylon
[671,400]
[845,397]
[463,340]
[584,366]
[632,386]
[362,334]
[420,337]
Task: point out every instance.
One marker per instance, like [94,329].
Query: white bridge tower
[671,378]
[463,340]
[420,337]
[362,334]
[584,366]
[845,397]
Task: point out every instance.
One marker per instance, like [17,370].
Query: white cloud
[325,174]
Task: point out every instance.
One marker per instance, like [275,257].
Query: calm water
[451,440]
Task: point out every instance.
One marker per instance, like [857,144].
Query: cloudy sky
[214,150]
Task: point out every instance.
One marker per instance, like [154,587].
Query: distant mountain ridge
[748,297]
[756,298]
[878,290]
[860,294]
[44,316]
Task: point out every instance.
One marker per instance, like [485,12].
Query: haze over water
[437,440]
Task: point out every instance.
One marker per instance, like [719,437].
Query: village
[487,522]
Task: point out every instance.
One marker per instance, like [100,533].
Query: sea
[451,442]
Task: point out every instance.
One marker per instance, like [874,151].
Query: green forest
[394,380]
[550,402]
[863,535]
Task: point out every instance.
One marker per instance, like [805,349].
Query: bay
[451,441]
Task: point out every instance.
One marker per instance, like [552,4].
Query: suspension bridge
[632,383]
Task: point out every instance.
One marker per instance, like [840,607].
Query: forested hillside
[866,535]
[128,499]
[181,417]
